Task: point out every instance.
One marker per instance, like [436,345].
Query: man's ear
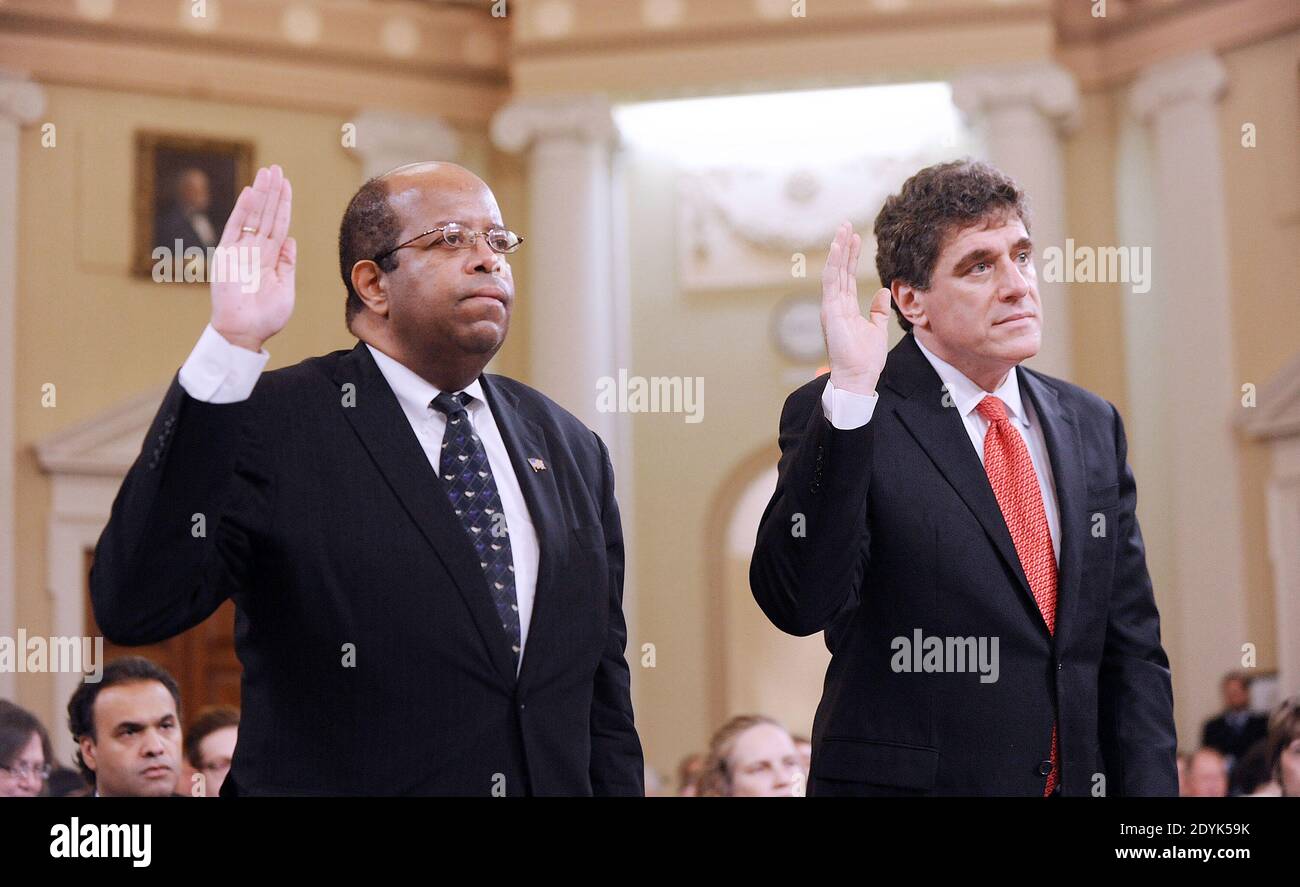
[371,285]
[910,302]
[87,746]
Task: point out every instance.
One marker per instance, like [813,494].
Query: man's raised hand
[245,312]
[856,345]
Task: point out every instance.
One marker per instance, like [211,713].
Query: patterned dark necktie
[467,477]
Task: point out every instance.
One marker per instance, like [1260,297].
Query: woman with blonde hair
[752,756]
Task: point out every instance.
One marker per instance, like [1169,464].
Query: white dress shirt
[847,410]
[218,371]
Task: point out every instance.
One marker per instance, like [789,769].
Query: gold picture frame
[172,172]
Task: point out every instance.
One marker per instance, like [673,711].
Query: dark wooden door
[202,659]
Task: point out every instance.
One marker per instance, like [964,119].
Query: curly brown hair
[931,206]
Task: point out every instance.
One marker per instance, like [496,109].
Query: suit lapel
[942,434]
[1065,450]
[378,420]
[525,441]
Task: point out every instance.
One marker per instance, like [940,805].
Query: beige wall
[1263,206]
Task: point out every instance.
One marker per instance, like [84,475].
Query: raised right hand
[856,345]
[248,315]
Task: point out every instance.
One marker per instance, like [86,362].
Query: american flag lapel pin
[537,464]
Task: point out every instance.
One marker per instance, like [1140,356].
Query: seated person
[25,755]
[209,748]
[128,730]
[752,756]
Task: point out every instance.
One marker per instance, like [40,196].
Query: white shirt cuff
[219,372]
[847,410]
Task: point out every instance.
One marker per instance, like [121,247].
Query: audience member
[128,730]
[1283,747]
[1207,774]
[209,748]
[752,756]
[1237,729]
[25,755]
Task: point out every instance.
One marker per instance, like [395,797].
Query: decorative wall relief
[741,227]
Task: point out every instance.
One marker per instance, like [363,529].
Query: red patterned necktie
[1011,473]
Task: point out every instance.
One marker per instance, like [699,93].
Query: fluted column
[579,322]
[21,103]
[570,246]
[1021,112]
[385,140]
[1177,100]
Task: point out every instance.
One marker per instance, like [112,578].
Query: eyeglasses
[458,236]
[23,771]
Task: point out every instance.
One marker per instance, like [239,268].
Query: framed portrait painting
[185,190]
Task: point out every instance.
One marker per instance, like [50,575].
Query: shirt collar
[966,395]
[413,391]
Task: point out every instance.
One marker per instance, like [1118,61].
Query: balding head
[442,306]
[374,220]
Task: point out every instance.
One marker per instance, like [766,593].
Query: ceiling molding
[331,55]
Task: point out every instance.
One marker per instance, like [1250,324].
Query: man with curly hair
[963,528]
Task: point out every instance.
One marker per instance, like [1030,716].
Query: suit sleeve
[179,538]
[1138,741]
[813,543]
[617,765]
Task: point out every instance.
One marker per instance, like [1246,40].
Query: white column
[569,246]
[1276,422]
[21,102]
[577,268]
[1177,100]
[386,140]
[1021,112]
[1283,531]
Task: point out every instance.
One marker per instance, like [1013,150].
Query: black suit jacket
[902,532]
[333,535]
[1219,734]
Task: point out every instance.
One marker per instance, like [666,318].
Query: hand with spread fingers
[249,315]
[855,345]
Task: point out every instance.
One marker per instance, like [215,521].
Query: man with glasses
[427,560]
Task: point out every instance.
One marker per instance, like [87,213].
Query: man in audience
[209,748]
[1207,774]
[128,730]
[1237,729]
